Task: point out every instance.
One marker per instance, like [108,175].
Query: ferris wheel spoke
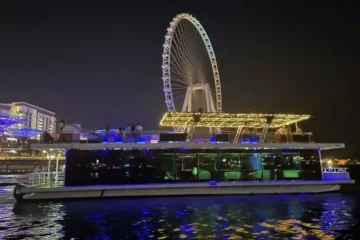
[178,63]
[185,44]
[178,82]
[186,49]
[178,68]
[187,65]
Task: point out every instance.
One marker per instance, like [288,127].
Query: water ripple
[324,216]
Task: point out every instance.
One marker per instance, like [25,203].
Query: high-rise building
[37,117]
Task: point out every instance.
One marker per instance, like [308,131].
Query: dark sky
[98,63]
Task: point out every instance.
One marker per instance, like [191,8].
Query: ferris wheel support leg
[213,109]
[189,105]
[218,130]
[208,97]
[187,101]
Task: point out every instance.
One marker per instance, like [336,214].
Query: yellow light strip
[230,120]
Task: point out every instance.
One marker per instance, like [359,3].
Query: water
[11,179]
[303,216]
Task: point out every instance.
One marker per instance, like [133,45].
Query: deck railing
[45,179]
[338,173]
[114,136]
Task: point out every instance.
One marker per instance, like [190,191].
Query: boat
[237,153]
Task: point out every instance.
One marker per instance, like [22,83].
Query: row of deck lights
[234,120]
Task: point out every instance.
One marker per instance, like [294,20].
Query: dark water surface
[303,216]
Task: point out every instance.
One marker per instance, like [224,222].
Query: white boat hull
[178,189]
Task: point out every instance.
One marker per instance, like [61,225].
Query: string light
[230,120]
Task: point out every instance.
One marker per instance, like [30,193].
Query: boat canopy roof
[230,120]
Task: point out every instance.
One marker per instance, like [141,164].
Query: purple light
[112,132]
[24,132]
[7,120]
[212,183]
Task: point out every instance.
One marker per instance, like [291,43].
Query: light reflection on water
[323,216]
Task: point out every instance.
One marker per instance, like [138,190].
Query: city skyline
[98,65]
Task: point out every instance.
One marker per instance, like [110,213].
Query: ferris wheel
[189,69]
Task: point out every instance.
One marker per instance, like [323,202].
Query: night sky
[95,63]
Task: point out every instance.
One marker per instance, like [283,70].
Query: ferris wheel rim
[166,76]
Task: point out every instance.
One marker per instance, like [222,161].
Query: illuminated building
[24,132]
[37,118]
[7,120]
[5,108]
[8,144]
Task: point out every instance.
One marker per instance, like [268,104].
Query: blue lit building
[24,132]
[36,117]
[7,120]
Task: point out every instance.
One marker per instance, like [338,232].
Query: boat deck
[188,145]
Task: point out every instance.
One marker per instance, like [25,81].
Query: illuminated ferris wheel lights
[190,73]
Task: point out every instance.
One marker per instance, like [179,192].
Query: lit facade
[5,108]
[37,118]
